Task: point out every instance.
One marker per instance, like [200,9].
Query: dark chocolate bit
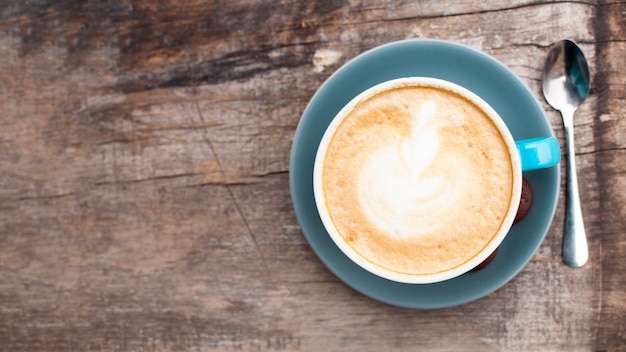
[486,261]
[526,201]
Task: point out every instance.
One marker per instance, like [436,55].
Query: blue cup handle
[538,153]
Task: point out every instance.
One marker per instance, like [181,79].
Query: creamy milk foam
[417,180]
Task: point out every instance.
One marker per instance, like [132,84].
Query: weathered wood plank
[609,134]
[144,197]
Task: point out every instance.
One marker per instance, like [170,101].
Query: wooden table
[144,186]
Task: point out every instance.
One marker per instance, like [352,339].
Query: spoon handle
[575,251]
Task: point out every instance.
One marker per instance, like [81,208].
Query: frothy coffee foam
[392,189]
[417,180]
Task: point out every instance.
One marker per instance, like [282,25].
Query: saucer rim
[347,274]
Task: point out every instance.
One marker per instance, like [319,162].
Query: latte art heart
[394,191]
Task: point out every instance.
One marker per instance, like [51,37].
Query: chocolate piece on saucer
[486,261]
[525,202]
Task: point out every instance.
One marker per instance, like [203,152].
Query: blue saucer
[472,69]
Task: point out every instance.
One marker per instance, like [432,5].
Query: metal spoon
[565,86]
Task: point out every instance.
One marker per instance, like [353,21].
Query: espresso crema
[417,179]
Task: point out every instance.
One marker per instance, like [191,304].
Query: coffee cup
[418,180]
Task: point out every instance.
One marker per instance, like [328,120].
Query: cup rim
[417,81]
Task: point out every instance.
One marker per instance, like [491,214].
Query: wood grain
[609,130]
[144,192]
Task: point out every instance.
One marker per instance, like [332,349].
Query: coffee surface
[417,180]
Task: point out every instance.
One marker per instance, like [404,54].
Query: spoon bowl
[565,87]
[565,76]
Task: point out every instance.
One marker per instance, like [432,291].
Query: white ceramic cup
[537,153]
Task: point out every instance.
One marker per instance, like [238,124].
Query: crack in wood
[234,199]
[607,150]
[252,179]
[468,13]
[244,64]
[147,179]
[42,197]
